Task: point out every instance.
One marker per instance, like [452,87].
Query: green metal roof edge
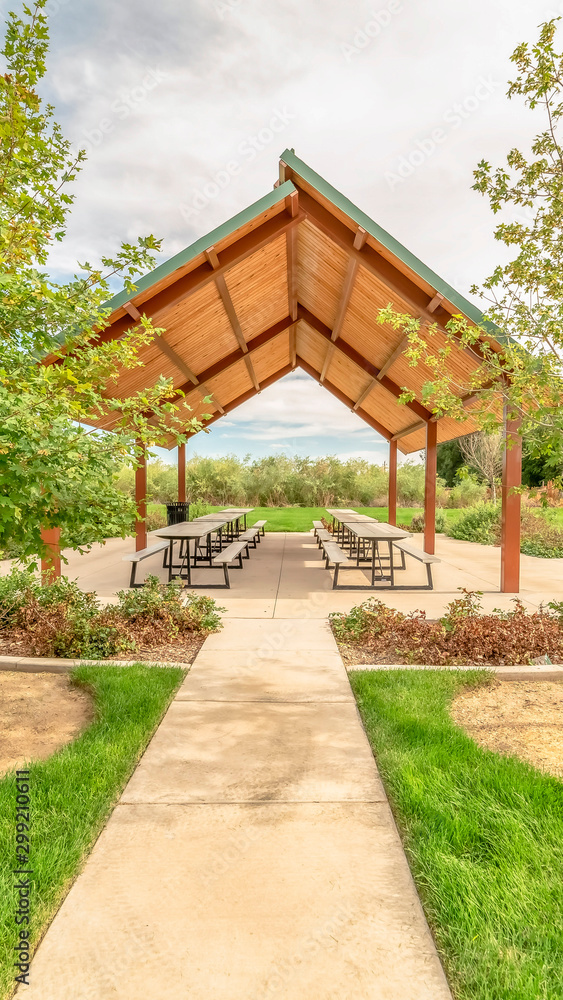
[215,236]
[323,187]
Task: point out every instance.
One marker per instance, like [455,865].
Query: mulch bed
[184,650]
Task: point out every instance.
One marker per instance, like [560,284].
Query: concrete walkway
[253,854]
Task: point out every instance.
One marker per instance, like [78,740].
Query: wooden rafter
[178,362]
[364,395]
[377,426]
[226,299]
[360,238]
[205,274]
[328,358]
[345,296]
[432,305]
[341,345]
[235,356]
[398,283]
[228,304]
[409,430]
[249,394]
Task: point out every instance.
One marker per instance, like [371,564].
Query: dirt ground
[39,713]
[521,718]
[184,649]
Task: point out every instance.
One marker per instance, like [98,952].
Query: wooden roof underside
[298,285]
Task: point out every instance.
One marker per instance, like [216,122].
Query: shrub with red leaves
[463,636]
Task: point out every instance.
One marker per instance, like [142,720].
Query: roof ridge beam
[291,252]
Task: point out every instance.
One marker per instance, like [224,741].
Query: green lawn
[483,835]
[73,792]
[301,518]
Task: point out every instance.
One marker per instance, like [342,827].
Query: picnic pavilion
[298,280]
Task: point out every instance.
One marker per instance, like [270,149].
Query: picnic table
[366,532]
[185,532]
[203,527]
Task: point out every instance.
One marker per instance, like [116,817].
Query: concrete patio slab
[252,752]
[285,578]
[300,902]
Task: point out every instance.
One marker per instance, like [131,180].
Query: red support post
[511,506]
[182,473]
[141,502]
[51,563]
[392,510]
[430,487]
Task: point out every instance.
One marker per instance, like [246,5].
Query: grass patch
[483,836]
[73,792]
[301,518]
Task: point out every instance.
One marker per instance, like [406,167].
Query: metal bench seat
[137,557]
[407,548]
[228,556]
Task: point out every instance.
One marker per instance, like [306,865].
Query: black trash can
[177,512]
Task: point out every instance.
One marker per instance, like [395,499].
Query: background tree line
[468,470]
[279,480]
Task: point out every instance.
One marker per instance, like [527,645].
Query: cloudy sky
[394,102]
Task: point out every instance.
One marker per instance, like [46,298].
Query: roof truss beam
[418,426]
[228,304]
[400,284]
[178,362]
[341,345]
[345,296]
[345,399]
[364,395]
[404,340]
[232,359]
[247,395]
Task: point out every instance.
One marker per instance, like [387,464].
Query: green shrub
[540,536]
[188,611]
[199,509]
[62,620]
[155,519]
[14,588]
[417,522]
[477,524]
[467,490]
